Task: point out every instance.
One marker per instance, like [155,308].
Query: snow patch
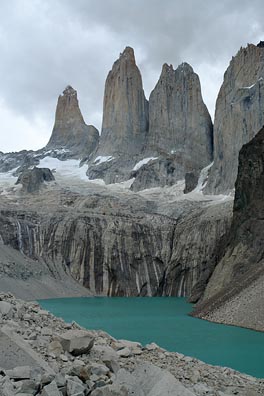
[251,86]
[101,159]
[202,181]
[142,162]
[68,168]
[7,181]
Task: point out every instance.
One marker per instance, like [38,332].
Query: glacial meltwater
[165,321]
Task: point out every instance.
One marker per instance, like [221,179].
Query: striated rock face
[118,245]
[32,179]
[70,131]
[179,121]
[125,113]
[235,291]
[239,115]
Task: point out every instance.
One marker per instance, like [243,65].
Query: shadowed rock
[32,179]
[235,291]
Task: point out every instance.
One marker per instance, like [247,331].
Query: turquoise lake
[165,320]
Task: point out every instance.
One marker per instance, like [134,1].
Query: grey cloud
[46,45]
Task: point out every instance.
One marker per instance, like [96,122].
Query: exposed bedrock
[235,291]
[239,115]
[113,251]
[179,121]
[70,131]
[125,112]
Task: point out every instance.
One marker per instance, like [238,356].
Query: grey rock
[75,388]
[239,115]
[20,372]
[5,308]
[55,348]
[70,131]
[33,179]
[27,386]
[124,352]
[99,369]
[149,380]
[77,342]
[163,171]
[235,290]
[110,390]
[51,390]
[191,180]
[179,121]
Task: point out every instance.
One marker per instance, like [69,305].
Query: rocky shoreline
[43,355]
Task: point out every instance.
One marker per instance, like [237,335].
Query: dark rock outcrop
[235,291]
[191,180]
[32,179]
[70,131]
[179,121]
[239,115]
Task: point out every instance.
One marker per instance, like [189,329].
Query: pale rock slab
[77,342]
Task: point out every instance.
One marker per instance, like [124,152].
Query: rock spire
[239,114]
[125,113]
[179,121]
[70,131]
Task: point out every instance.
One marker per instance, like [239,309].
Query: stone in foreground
[150,380]
[77,342]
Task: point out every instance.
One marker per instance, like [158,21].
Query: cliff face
[176,126]
[179,121]
[239,115]
[70,131]
[235,291]
[116,245]
[125,112]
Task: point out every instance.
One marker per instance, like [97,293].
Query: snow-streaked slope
[143,162]
[68,168]
[101,159]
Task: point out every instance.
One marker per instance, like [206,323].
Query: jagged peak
[185,67]
[260,44]
[167,68]
[69,91]
[128,54]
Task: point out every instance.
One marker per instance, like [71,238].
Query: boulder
[111,390]
[32,179]
[150,380]
[191,180]
[51,390]
[76,342]
[5,308]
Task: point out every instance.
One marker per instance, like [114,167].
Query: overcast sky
[48,44]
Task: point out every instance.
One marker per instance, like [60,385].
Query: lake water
[164,320]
